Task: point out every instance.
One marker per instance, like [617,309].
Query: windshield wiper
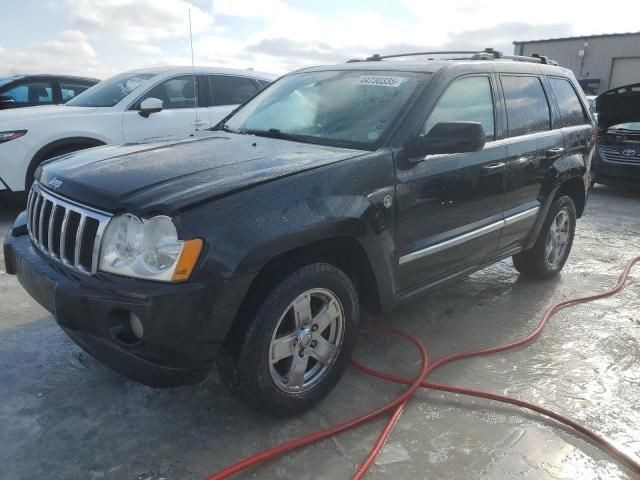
[225,128]
[279,134]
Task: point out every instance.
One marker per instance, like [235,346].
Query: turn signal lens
[12,135]
[188,259]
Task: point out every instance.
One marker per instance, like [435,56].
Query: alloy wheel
[558,239]
[306,340]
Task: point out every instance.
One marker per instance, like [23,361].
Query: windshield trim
[423,79]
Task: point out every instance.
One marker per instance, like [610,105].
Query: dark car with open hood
[336,188]
[618,153]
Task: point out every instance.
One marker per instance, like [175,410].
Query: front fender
[243,231]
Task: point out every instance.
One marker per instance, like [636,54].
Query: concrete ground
[65,416]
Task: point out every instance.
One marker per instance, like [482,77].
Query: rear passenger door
[534,144]
[576,123]
[227,92]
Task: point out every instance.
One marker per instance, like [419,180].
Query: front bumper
[15,157]
[181,332]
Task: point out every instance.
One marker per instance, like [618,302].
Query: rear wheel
[298,344]
[551,250]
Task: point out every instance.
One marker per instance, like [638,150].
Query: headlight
[147,249]
[6,136]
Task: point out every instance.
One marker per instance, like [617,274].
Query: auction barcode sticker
[380,81]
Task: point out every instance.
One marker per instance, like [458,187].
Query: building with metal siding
[599,62]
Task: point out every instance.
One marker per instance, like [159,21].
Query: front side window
[70,89]
[342,108]
[466,100]
[176,92]
[230,90]
[527,105]
[571,110]
[111,91]
[30,93]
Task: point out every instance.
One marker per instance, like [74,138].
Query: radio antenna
[193,72]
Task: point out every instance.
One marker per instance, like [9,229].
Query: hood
[163,177]
[15,115]
[618,105]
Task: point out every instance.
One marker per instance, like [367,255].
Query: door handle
[554,152]
[199,123]
[494,167]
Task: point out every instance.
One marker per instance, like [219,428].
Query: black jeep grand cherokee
[363,183]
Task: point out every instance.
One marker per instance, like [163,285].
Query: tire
[539,261]
[277,367]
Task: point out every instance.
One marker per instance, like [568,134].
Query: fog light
[136,326]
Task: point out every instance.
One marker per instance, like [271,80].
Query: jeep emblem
[55,183]
[629,152]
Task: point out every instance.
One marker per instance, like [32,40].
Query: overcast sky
[104,37]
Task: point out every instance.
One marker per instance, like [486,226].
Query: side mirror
[449,137]
[149,106]
[6,100]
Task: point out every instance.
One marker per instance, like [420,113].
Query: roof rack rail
[486,54]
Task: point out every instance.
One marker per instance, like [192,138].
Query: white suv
[131,107]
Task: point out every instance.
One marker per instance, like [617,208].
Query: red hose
[398,405]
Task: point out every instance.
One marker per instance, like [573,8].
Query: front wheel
[298,344]
[551,250]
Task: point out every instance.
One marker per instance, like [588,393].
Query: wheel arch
[575,189]
[343,251]
[44,153]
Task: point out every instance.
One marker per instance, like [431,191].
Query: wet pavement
[65,416]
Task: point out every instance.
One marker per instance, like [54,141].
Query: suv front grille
[615,155]
[65,231]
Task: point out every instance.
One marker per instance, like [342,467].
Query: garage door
[625,71]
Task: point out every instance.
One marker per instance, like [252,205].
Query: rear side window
[30,93]
[230,90]
[527,105]
[466,100]
[571,110]
[70,89]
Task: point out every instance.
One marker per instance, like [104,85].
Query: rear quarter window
[72,88]
[571,110]
[527,104]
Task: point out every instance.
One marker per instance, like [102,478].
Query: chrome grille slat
[79,232]
[52,215]
[41,222]
[36,219]
[30,200]
[41,203]
[63,234]
[614,155]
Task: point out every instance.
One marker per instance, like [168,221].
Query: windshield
[340,108]
[5,80]
[626,126]
[111,91]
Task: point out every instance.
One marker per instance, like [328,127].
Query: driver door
[450,206]
[177,119]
